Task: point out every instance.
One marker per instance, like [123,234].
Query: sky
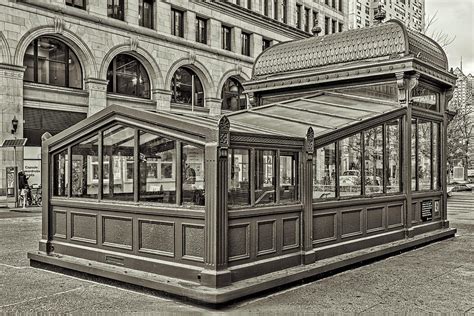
[455,17]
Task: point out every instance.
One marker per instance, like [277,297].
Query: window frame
[137,73]
[121,5]
[201,30]
[245,38]
[193,103]
[226,41]
[177,29]
[141,10]
[72,3]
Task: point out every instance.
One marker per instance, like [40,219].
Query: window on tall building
[284,14]
[52,62]
[340,6]
[233,98]
[245,39]
[249,4]
[333,26]
[326,25]
[333,4]
[307,14]
[145,13]
[177,23]
[265,7]
[126,75]
[341,25]
[116,9]
[226,38]
[81,4]
[315,17]
[326,2]
[266,43]
[201,30]
[275,9]
[186,88]
[298,15]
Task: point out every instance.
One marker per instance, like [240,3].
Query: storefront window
[373,151]
[52,62]
[118,168]
[424,155]
[192,175]
[84,180]
[186,88]
[414,161]
[393,156]
[61,174]
[233,98]
[288,177]
[324,170]
[157,168]
[264,177]
[436,147]
[126,75]
[239,175]
[350,166]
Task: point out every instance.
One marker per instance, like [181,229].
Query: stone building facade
[62,60]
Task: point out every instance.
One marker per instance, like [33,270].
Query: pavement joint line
[41,297]
[13,267]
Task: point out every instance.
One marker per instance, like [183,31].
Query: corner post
[307,198]
[216,218]
[444,156]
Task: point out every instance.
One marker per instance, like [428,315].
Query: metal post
[15,189]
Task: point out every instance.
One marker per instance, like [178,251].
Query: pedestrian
[22,186]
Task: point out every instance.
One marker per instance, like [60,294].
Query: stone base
[198,292]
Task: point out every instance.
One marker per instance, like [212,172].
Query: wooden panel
[415,214]
[193,242]
[239,242]
[156,237]
[60,224]
[375,219]
[84,227]
[266,236]
[395,215]
[351,223]
[291,233]
[324,227]
[117,232]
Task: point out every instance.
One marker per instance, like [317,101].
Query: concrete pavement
[437,278]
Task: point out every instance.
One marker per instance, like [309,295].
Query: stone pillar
[162,16]
[131,12]
[97,7]
[255,45]
[236,42]
[97,95]
[216,273]
[162,99]
[214,33]
[214,105]
[11,106]
[190,26]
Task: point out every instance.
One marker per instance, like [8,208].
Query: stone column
[97,7]
[162,16]
[214,33]
[11,106]
[236,42]
[131,11]
[190,26]
[214,106]
[162,99]
[255,45]
[97,89]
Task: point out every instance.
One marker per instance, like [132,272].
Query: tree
[442,38]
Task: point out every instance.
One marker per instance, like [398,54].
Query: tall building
[62,60]
[411,12]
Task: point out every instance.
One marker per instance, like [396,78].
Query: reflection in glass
[264,176]
[373,151]
[424,155]
[126,75]
[324,169]
[61,174]
[393,156]
[425,97]
[386,91]
[239,193]
[118,147]
[233,98]
[350,166]
[83,155]
[288,177]
[413,155]
[157,168]
[193,174]
[186,88]
[436,148]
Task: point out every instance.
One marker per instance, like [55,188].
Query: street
[438,278]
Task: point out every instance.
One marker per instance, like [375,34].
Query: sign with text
[427,210]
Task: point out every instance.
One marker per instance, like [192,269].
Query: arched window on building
[232,96]
[126,75]
[50,61]
[186,88]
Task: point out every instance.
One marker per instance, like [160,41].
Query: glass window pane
[182,88]
[393,156]
[118,146]
[324,172]
[424,155]
[264,176]
[75,72]
[373,150]
[84,179]
[350,166]
[157,168]
[239,168]
[288,177]
[436,147]
[61,174]
[413,155]
[193,175]
[29,62]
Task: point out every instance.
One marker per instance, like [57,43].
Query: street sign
[18,142]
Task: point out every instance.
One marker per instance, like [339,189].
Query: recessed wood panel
[84,227]
[60,224]
[351,223]
[395,215]
[239,243]
[324,227]
[156,237]
[415,214]
[375,219]
[266,237]
[290,233]
[193,242]
[117,232]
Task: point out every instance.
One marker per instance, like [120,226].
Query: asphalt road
[437,278]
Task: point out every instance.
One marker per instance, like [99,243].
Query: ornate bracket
[401,85]
[310,141]
[134,41]
[412,83]
[192,58]
[58,25]
[224,136]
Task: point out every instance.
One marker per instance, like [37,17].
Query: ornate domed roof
[386,40]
